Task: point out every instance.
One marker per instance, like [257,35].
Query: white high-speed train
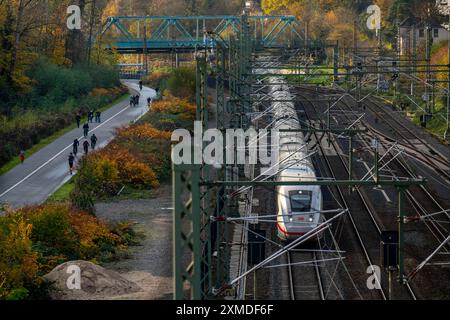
[298,207]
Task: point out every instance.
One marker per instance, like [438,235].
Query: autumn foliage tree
[34,240]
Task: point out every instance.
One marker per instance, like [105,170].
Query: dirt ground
[150,264]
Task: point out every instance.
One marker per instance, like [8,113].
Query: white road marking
[379,189]
[59,153]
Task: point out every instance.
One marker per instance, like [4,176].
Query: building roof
[414,21]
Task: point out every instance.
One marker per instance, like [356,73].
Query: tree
[6,45]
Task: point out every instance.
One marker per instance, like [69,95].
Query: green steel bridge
[159,34]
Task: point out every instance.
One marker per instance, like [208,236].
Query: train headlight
[290,219]
[311,219]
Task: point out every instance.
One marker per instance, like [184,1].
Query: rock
[94,282]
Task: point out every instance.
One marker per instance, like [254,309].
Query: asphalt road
[45,171]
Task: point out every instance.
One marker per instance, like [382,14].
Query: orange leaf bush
[34,240]
[176,106]
[18,261]
[114,91]
[157,74]
[115,166]
[143,131]
[99,92]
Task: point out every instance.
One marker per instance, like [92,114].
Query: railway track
[369,223]
[417,194]
[432,204]
[304,276]
[437,164]
[422,199]
[426,153]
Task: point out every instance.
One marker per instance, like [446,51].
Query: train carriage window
[300,200]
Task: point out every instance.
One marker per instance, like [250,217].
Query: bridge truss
[140,34]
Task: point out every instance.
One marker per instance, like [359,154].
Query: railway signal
[389,251]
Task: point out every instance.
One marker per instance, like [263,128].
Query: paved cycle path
[46,170]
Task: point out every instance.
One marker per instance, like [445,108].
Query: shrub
[158,78]
[132,171]
[142,131]
[174,81]
[97,175]
[93,236]
[102,173]
[34,240]
[18,261]
[182,82]
[176,106]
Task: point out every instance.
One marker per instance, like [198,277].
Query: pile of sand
[95,282]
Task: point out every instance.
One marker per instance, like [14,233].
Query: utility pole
[414,56]
[355,40]
[428,61]
[446,133]
[145,50]
[380,48]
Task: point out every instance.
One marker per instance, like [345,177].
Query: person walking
[71,161]
[131,101]
[75,145]
[22,156]
[140,85]
[78,118]
[86,129]
[91,116]
[93,141]
[97,116]
[86,146]
[149,102]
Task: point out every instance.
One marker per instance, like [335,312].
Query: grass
[130,193]
[63,193]
[46,141]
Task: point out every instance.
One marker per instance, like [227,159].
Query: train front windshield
[300,200]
